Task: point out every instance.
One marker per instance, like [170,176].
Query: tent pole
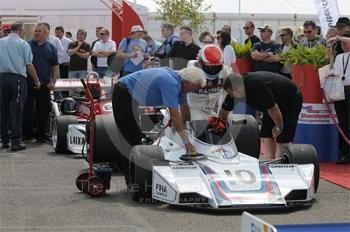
[239,21]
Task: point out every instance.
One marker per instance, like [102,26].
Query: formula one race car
[225,172]
[69,115]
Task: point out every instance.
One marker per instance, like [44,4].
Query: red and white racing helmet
[210,59]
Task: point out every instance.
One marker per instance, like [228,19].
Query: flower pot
[314,125]
[307,79]
[243,65]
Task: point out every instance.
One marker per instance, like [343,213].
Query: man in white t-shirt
[63,57]
[202,102]
[102,49]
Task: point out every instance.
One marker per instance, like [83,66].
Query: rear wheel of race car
[59,132]
[302,154]
[140,171]
[105,139]
[245,132]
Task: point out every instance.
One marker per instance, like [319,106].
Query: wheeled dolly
[97,183]
[96,179]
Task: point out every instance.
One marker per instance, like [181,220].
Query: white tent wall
[87,14]
[73,23]
[276,20]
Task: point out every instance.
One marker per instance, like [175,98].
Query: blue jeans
[102,71]
[77,74]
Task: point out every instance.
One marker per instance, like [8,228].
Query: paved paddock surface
[38,193]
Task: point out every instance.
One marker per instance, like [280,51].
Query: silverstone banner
[328,13]
[316,114]
[315,126]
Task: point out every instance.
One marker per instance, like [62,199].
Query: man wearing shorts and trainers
[276,96]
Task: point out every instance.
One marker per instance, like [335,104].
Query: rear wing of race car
[75,84]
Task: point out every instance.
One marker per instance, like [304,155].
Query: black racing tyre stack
[142,158]
[245,132]
[302,154]
[59,132]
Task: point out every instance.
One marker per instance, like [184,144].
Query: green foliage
[178,12]
[242,50]
[305,55]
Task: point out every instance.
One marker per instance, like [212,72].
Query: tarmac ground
[38,193]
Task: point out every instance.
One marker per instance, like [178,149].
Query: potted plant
[243,62]
[306,62]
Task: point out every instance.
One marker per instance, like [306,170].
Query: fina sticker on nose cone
[162,190]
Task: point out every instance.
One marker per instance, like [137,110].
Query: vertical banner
[328,13]
[130,18]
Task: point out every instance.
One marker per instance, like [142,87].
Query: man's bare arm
[185,112]
[223,114]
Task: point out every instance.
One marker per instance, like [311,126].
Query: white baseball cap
[136,28]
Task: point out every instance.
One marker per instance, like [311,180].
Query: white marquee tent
[88,14]
[262,6]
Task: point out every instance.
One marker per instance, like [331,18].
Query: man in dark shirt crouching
[276,96]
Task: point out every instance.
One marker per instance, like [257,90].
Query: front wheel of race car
[59,132]
[302,154]
[140,171]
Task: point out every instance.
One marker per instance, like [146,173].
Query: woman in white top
[342,108]
[224,41]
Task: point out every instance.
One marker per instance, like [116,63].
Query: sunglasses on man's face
[245,28]
[283,35]
[307,32]
[103,34]
[208,42]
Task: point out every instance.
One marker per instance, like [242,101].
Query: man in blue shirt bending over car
[153,87]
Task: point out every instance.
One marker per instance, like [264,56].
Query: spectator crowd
[29,69]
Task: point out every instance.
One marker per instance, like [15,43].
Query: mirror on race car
[193,157]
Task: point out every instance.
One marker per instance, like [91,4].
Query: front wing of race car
[249,184]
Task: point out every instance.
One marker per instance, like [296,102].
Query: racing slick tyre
[245,132]
[59,132]
[302,154]
[105,133]
[140,171]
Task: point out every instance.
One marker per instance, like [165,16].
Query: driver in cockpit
[202,101]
